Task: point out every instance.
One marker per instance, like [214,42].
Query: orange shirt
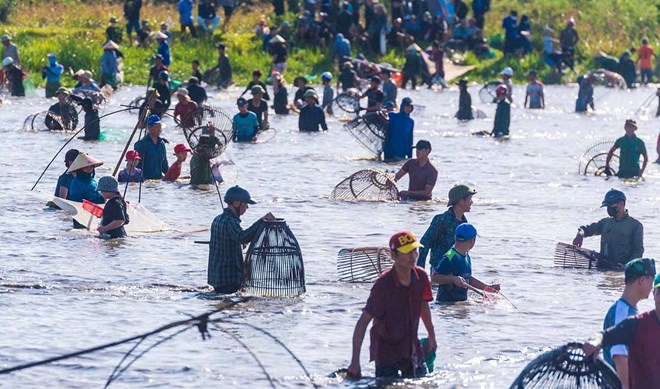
[645,54]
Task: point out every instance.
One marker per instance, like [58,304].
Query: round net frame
[348,102]
[367,185]
[274,265]
[567,367]
[363,264]
[370,130]
[98,98]
[487,92]
[37,121]
[610,79]
[212,131]
[136,103]
[592,162]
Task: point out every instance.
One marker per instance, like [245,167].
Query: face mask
[612,210]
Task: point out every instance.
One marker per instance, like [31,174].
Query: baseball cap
[423,144]
[132,155]
[237,193]
[459,192]
[404,242]
[241,101]
[656,281]
[375,79]
[613,196]
[406,101]
[465,231]
[153,119]
[638,268]
[388,104]
[181,148]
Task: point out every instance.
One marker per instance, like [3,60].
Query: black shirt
[261,84]
[163,94]
[197,93]
[132,9]
[279,51]
[348,79]
[115,209]
[374,96]
[259,111]
[206,10]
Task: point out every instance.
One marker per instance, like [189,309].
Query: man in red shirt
[185,109]
[645,56]
[398,299]
[181,151]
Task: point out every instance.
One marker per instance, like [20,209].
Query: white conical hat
[83,160]
[160,35]
[111,45]
[277,39]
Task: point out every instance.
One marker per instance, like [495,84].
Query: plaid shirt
[225,250]
[439,237]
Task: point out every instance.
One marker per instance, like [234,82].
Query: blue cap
[613,197]
[241,101]
[236,193]
[406,101]
[327,76]
[388,104]
[465,231]
[164,75]
[153,119]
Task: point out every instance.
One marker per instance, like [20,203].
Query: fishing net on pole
[592,162]
[49,121]
[136,103]
[208,131]
[274,264]
[363,264]
[366,185]
[348,102]
[370,130]
[98,98]
[487,92]
[568,256]
[567,367]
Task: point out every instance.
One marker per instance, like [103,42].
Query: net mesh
[370,130]
[592,162]
[348,102]
[569,256]
[364,264]
[367,185]
[274,264]
[208,131]
[487,92]
[566,367]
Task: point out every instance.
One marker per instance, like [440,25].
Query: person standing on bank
[621,236]
[152,150]
[439,237]
[398,299]
[225,268]
[423,175]
[631,149]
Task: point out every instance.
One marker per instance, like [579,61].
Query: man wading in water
[631,149]
[398,299]
[225,271]
[621,236]
[423,174]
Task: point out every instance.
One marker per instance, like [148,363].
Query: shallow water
[63,290]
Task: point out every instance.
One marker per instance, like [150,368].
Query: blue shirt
[617,312]
[64,181]
[509,24]
[109,62]
[245,127]
[390,91]
[53,72]
[185,12]
[80,190]
[455,264]
[398,144]
[164,50]
[154,158]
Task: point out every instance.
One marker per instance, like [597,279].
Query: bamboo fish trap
[572,257]
[366,185]
[567,367]
[592,162]
[363,264]
[209,131]
[370,130]
[274,264]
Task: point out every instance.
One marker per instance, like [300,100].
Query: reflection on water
[62,290]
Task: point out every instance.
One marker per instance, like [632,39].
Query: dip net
[487,92]
[367,185]
[370,130]
[363,264]
[274,264]
[136,103]
[592,162]
[568,256]
[348,102]
[208,131]
[567,367]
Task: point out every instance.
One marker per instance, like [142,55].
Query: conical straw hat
[111,45]
[83,160]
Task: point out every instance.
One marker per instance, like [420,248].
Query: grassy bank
[76,33]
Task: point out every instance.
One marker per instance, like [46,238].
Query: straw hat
[160,35]
[79,72]
[111,46]
[83,160]
[182,92]
[277,39]
[87,75]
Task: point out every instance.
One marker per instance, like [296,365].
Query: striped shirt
[225,268]
[617,312]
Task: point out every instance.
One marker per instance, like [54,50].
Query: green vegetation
[75,31]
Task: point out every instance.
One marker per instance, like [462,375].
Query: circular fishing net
[592,162]
[610,79]
[348,102]
[567,367]
[370,130]
[136,103]
[367,185]
[208,131]
[274,264]
[48,121]
[487,92]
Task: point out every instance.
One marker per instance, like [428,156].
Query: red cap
[132,155]
[404,242]
[181,148]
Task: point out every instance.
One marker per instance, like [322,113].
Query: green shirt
[620,241]
[200,171]
[631,149]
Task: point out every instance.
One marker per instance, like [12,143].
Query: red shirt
[173,172]
[396,310]
[645,53]
[644,353]
[184,112]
